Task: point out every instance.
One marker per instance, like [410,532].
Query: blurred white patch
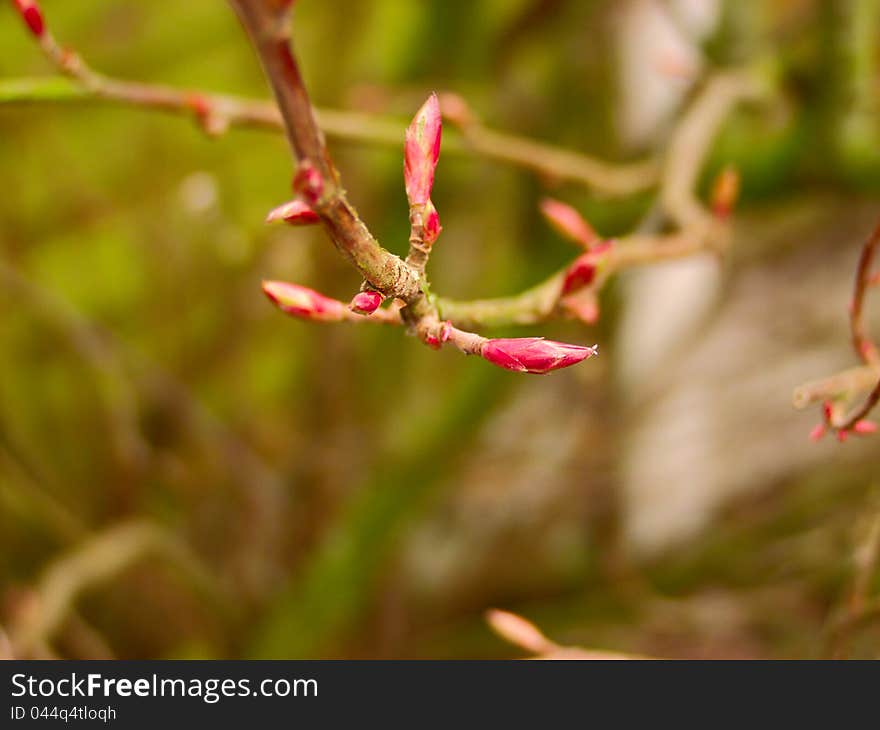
[716,422]
[699,18]
[660,59]
[665,305]
[198,193]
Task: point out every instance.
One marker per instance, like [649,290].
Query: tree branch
[266,22]
[839,390]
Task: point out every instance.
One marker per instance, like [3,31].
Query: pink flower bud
[308,182]
[568,222]
[33,16]
[818,432]
[421,152]
[436,338]
[580,274]
[842,435]
[864,427]
[296,212]
[534,354]
[725,192]
[300,301]
[366,302]
[432,225]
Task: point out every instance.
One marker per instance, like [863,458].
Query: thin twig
[845,387]
[861,340]
[218,112]
[858,610]
[95,561]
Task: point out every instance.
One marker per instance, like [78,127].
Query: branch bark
[267,24]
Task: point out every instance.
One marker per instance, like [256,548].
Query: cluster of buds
[575,295]
[421,152]
[863,427]
[32,15]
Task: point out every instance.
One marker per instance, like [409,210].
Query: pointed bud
[308,182]
[518,630]
[421,152]
[33,16]
[568,222]
[818,432]
[842,435]
[534,354]
[300,301]
[583,271]
[295,212]
[431,225]
[580,274]
[366,302]
[725,192]
[863,427]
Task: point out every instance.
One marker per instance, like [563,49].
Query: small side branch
[838,392]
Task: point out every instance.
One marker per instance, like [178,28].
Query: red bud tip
[421,152]
[842,436]
[439,336]
[300,301]
[568,222]
[308,182]
[534,354]
[580,274]
[33,16]
[432,225]
[366,302]
[865,427]
[725,192]
[827,411]
[818,432]
[295,212]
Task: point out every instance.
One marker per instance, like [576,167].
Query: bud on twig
[33,16]
[300,301]
[421,152]
[583,271]
[296,212]
[308,182]
[580,274]
[518,631]
[725,192]
[534,354]
[366,302]
[568,222]
[431,226]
